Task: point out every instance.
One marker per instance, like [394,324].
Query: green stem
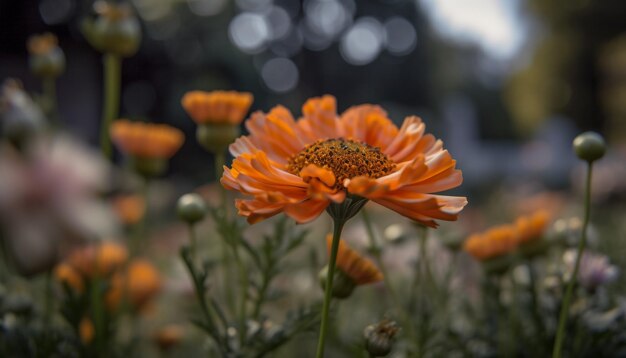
[377,253]
[560,335]
[50,97]
[48,300]
[112,80]
[97,307]
[219,162]
[192,242]
[139,235]
[338,227]
[243,288]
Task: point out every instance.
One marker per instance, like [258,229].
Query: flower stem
[338,227]
[112,80]
[50,96]
[139,235]
[560,335]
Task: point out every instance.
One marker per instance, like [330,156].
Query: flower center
[345,158]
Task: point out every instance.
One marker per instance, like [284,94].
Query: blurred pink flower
[48,197]
[595,269]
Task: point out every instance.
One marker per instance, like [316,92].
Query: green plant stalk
[111,107]
[243,294]
[219,162]
[337,228]
[48,300]
[377,253]
[560,334]
[192,242]
[49,92]
[139,235]
[98,319]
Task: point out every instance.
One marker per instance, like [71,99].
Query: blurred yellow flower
[217,107]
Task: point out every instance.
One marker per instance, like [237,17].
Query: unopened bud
[343,285]
[191,208]
[379,337]
[589,146]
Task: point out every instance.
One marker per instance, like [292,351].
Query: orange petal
[307,210]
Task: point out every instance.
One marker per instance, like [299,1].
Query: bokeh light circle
[280,74]
[362,43]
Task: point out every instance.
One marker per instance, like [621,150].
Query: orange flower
[42,44]
[168,336]
[217,107]
[141,281]
[300,167]
[129,208]
[98,260]
[531,227]
[66,274]
[504,239]
[86,330]
[146,140]
[497,241]
[361,270]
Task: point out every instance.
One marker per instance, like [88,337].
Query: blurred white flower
[595,269]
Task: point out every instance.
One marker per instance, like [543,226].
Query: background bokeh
[506,84]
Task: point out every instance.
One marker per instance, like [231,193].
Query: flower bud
[46,59]
[217,137]
[589,146]
[191,208]
[116,30]
[149,167]
[379,337]
[343,285]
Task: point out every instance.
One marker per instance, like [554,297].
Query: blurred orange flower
[146,140]
[497,241]
[66,274]
[99,259]
[531,227]
[42,44]
[129,208]
[361,270]
[504,239]
[86,330]
[168,336]
[300,167]
[140,281]
[217,107]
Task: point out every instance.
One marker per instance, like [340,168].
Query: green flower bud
[379,337]
[343,285]
[46,59]
[191,208]
[589,146]
[116,30]
[217,137]
[149,167]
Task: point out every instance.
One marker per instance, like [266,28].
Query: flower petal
[307,210]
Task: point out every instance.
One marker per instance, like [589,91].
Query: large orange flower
[300,167]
